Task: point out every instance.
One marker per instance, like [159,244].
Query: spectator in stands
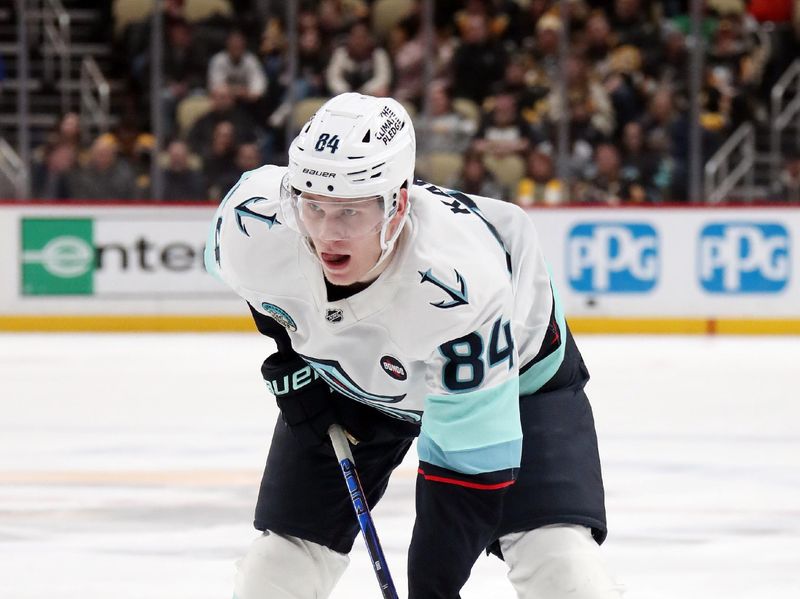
[736,62]
[275,60]
[660,121]
[239,69]
[625,84]
[219,161]
[587,100]
[519,79]
[632,25]
[669,68]
[545,52]
[181,181]
[503,131]
[312,59]
[143,154]
[184,71]
[476,179]
[223,108]
[598,41]
[523,33]
[248,158]
[135,42]
[448,130]
[49,176]
[608,184]
[639,163]
[53,160]
[105,176]
[478,61]
[540,185]
[67,133]
[359,65]
[407,48]
[337,16]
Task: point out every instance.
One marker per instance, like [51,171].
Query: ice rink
[129,466]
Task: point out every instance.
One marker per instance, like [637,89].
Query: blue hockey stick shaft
[342,449]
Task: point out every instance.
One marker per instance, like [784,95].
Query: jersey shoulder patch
[247,228]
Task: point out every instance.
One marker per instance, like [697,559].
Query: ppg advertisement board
[698,262]
[613,257]
[615,263]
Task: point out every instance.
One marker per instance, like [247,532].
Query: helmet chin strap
[387,245]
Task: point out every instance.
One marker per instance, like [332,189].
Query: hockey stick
[365,523]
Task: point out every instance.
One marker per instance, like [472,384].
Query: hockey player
[404,310]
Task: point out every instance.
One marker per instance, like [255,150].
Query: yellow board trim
[686,326]
[46,323]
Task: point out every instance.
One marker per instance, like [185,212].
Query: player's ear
[402,202]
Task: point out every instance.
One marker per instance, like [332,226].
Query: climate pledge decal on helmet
[389,127]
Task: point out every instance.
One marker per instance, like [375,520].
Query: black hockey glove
[304,399]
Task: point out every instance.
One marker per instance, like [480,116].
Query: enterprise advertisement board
[115,256]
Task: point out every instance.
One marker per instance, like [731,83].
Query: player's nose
[332,229]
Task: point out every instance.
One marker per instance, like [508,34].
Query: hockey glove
[304,399]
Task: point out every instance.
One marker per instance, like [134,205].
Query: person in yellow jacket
[540,186]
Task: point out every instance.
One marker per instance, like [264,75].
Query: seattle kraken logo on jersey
[243,211]
[459,296]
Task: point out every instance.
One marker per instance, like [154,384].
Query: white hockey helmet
[354,146]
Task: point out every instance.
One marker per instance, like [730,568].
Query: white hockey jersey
[461,323]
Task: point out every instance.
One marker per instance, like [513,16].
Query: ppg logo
[744,257]
[612,257]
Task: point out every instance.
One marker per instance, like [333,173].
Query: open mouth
[335,261]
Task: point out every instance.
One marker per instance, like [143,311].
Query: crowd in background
[493,107]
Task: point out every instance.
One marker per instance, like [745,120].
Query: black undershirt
[340,292]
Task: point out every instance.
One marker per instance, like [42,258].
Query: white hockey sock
[285,567]
[557,562]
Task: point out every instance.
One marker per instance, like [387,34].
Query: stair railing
[56,43]
[723,172]
[784,110]
[95,104]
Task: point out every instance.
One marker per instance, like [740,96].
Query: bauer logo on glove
[293,381]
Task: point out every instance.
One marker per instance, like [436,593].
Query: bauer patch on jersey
[280,315]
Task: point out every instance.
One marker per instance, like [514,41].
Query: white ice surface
[129,467]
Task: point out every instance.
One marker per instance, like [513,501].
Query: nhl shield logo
[334,315]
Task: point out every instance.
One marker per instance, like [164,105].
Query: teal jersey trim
[211,249]
[473,432]
[471,461]
[537,375]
